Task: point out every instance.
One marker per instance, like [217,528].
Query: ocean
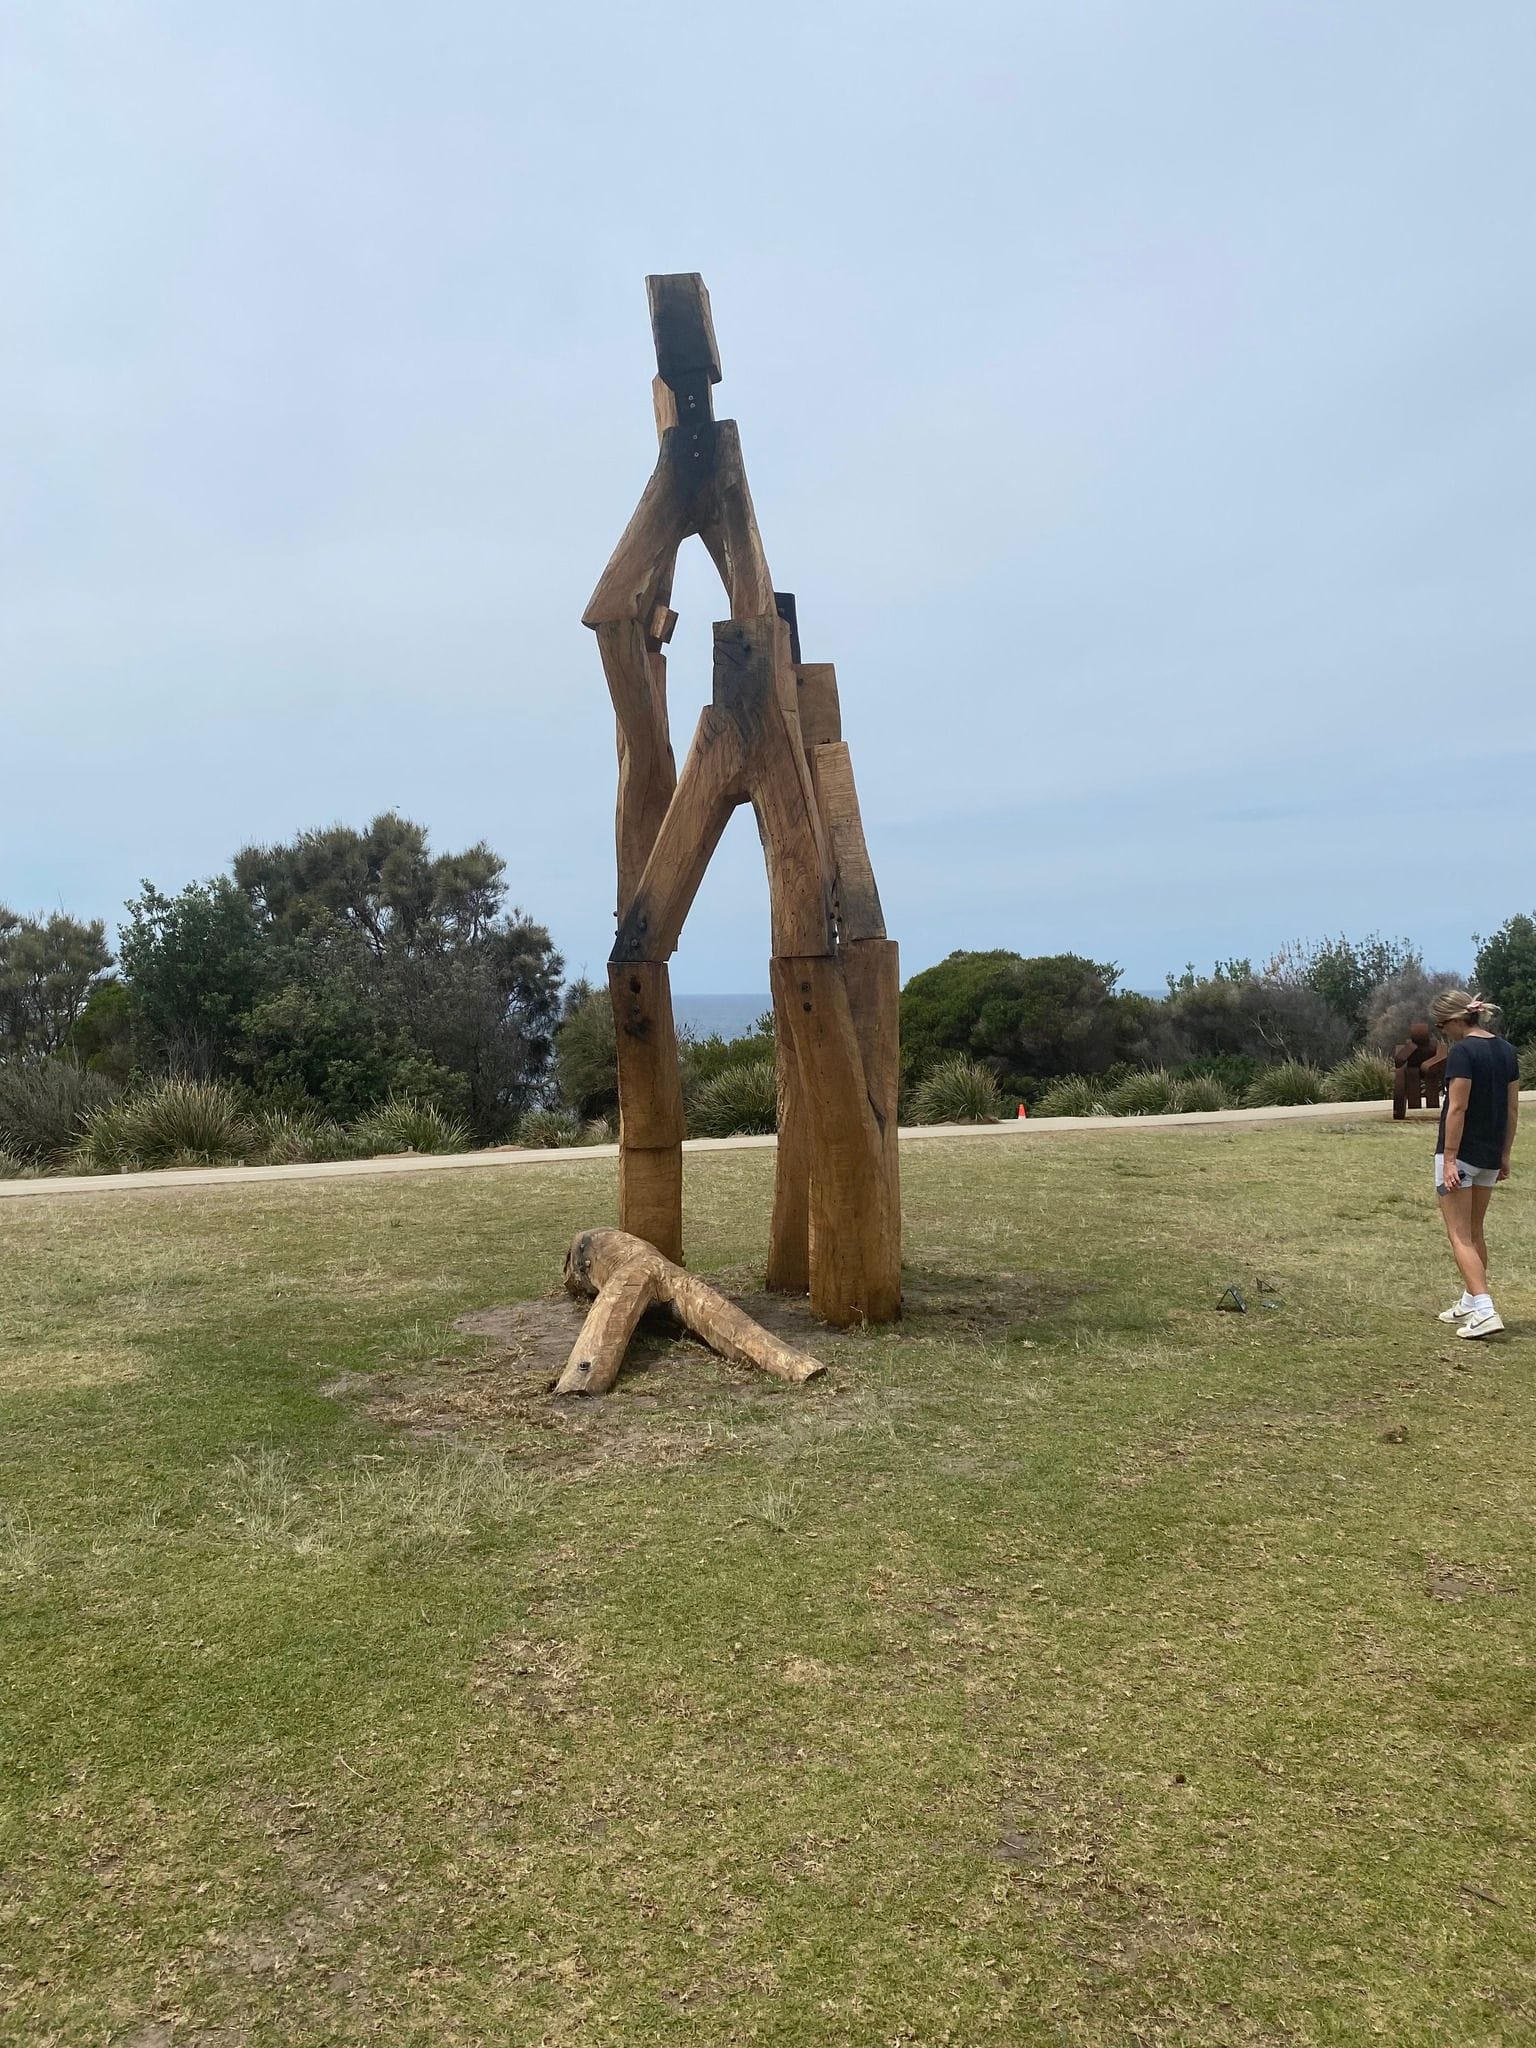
[730,1016]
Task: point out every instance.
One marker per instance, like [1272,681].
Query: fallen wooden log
[626,1276]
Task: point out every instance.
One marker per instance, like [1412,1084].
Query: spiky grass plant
[1528,1066]
[1072,1095]
[406,1123]
[296,1137]
[545,1129]
[1363,1077]
[1202,1092]
[738,1102]
[957,1091]
[1285,1085]
[1151,1092]
[44,1105]
[174,1123]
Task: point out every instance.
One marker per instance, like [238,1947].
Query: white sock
[1482,1304]
[1465,1303]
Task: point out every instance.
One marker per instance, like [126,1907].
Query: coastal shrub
[1281,1086]
[546,1129]
[1233,1071]
[740,1101]
[1201,1092]
[179,1122]
[1072,1095]
[43,1107]
[586,1052]
[1152,1092]
[12,1167]
[957,1091]
[1528,1065]
[1505,972]
[295,1137]
[407,1124]
[1402,1002]
[1363,1077]
[1054,1014]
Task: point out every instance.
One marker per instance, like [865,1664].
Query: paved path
[1027,1131]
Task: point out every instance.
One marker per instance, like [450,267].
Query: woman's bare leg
[1481,1197]
[1456,1208]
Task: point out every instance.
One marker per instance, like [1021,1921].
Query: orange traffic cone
[1022,1111]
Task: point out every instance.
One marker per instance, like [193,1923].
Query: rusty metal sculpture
[1420,1064]
[771,737]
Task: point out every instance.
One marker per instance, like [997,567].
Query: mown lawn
[1077,1666]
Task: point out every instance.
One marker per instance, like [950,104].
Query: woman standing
[1477,1134]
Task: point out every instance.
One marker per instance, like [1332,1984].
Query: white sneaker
[1454,1314]
[1483,1325]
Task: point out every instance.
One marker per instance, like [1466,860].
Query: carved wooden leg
[851,1276]
[872,970]
[650,1105]
[789,1244]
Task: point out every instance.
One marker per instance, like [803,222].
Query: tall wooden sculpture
[771,737]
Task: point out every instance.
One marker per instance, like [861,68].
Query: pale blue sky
[1139,398]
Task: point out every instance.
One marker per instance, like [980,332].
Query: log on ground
[627,1276]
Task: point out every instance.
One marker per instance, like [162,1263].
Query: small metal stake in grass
[1233,1302]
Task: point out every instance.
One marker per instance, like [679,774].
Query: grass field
[1077,1665]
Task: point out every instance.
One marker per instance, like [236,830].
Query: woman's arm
[1509,1128]
[1458,1094]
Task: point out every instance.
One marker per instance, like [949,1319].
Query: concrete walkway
[1027,1131]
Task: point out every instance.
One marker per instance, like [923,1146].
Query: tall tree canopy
[48,969]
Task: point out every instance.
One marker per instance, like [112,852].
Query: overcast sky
[1140,399]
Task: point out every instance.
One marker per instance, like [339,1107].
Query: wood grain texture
[728,527]
[821,717]
[872,973]
[856,900]
[627,1277]
[632,584]
[651,1195]
[637,683]
[708,790]
[682,327]
[789,1236]
[854,1251]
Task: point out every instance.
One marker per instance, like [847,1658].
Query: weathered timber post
[771,737]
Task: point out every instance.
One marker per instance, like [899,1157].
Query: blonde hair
[1455,1005]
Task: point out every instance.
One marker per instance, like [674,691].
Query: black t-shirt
[1490,1064]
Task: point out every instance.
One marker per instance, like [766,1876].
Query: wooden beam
[821,717]
[855,1245]
[708,790]
[637,683]
[789,1236]
[682,327]
[872,973]
[856,899]
[639,571]
[728,528]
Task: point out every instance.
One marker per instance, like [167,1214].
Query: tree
[1021,1018]
[1259,1019]
[586,1052]
[47,973]
[194,965]
[1505,972]
[1343,971]
[428,952]
[1402,1001]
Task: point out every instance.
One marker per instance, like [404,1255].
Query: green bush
[11,1166]
[1505,972]
[1233,1071]
[1201,1092]
[1073,1095]
[174,1123]
[957,1091]
[1528,1065]
[738,1102]
[295,1137]
[1282,1086]
[407,1124]
[44,1105]
[1149,1093]
[1056,1014]
[1363,1077]
[586,1053]
[546,1129]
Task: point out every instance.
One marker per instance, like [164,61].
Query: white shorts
[1469,1176]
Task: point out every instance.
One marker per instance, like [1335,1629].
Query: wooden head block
[683,328]
[821,717]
